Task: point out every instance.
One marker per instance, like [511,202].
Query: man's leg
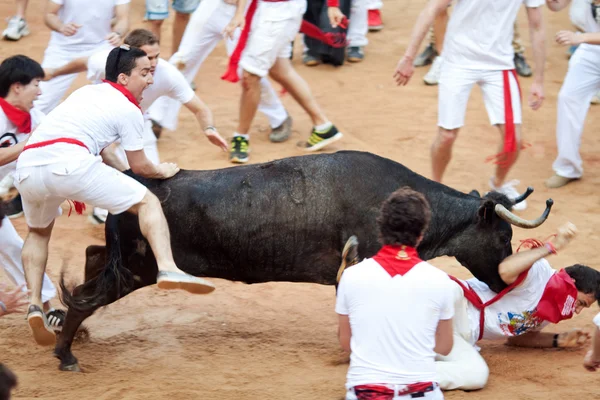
[183,11]
[374,15]
[463,368]
[441,152]
[17,26]
[357,30]
[248,107]
[523,69]
[439,32]
[156,12]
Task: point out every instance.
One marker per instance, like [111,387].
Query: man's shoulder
[168,72]
[431,271]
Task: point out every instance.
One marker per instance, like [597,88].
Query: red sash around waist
[382,392]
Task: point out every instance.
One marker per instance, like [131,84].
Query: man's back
[393,321]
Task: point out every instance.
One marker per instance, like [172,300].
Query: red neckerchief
[559,299]
[397,260]
[125,92]
[22,119]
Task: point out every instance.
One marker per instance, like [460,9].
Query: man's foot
[557,181]
[56,319]
[349,256]
[282,132]
[175,280]
[309,60]
[375,22]
[42,332]
[426,57]
[523,69]
[355,54]
[14,208]
[509,190]
[156,128]
[320,139]
[17,28]
[98,216]
[432,77]
[240,147]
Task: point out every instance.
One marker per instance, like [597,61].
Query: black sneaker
[56,319]
[523,69]
[14,208]
[426,57]
[355,54]
[239,150]
[320,139]
[309,60]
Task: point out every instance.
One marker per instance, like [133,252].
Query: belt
[387,392]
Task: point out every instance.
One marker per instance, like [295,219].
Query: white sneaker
[596,98]
[433,75]
[17,28]
[509,190]
[98,216]
[6,184]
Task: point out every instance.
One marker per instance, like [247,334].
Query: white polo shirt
[97,115]
[393,321]
[480,33]
[168,80]
[9,136]
[95,18]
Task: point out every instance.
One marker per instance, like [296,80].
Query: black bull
[286,220]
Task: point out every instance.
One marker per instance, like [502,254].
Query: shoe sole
[16,38]
[17,215]
[324,143]
[354,60]
[95,220]
[375,28]
[312,63]
[430,83]
[41,334]
[238,160]
[194,288]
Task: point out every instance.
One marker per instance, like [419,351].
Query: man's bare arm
[10,154]
[573,338]
[73,67]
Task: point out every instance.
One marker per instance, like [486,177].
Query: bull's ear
[486,212]
[474,193]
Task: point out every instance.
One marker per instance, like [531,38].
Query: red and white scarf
[397,260]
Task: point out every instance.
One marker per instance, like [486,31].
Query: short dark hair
[8,380]
[18,69]
[587,280]
[122,60]
[140,37]
[404,217]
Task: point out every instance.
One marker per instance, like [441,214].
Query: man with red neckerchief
[395,310]
[62,160]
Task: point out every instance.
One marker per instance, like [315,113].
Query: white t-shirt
[168,80]
[393,321]
[10,137]
[512,314]
[95,18]
[480,33]
[97,115]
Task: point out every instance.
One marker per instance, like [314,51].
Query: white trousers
[359,23]
[54,89]
[203,33]
[11,245]
[580,85]
[374,4]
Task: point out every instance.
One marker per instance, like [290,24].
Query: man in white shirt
[537,295]
[477,50]
[79,28]
[19,87]
[580,85]
[395,310]
[62,161]
[168,81]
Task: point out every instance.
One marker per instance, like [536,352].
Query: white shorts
[274,26]
[455,87]
[44,188]
[159,9]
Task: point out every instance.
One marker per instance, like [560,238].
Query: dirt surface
[278,340]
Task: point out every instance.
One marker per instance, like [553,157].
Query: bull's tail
[105,286]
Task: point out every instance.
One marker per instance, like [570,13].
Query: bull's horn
[523,196]
[520,222]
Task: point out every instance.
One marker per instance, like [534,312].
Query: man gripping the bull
[62,161]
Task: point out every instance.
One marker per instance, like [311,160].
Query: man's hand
[13,301]
[404,71]
[565,234]
[167,170]
[573,338]
[114,39]
[568,38]
[536,95]
[336,16]
[590,363]
[69,29]
[213,136]
[238,21]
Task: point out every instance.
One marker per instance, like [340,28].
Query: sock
[246,136]
[323,127]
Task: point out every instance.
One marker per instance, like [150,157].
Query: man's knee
[446,137]
[250,80]
[42,232]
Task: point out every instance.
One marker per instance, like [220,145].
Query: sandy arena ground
[278,340]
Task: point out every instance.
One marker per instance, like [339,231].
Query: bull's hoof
[70,367]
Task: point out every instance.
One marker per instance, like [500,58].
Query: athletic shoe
[98,216]
[375,22]
[309,60]
[42,332]
[239,150]
[175,280]
[282,132]
[355,54]
[56,319]
[596,99]
[556,181]
[509,190]
[523,69]
[426,57]
[320,139]
[14,208]
[17,28]
[433,75]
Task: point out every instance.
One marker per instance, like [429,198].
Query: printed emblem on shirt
[514,324]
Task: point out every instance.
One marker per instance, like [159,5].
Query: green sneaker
[320,139]
[239,150]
